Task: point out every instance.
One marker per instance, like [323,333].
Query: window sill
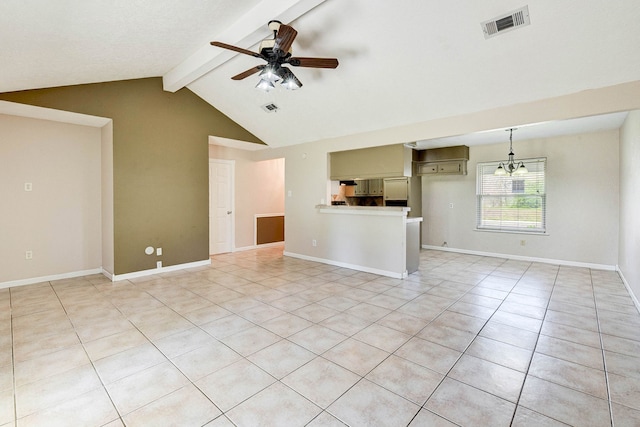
[528,233]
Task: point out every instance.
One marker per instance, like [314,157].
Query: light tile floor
[262,339]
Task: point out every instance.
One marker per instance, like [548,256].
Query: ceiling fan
[277,53]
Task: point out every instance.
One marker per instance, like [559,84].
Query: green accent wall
[160,164]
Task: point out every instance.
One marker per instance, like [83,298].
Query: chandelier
[511,167]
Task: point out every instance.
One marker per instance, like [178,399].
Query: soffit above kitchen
[426,60]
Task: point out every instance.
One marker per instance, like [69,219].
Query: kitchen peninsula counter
[376,239]
[365,210]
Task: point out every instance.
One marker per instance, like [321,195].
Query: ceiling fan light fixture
[277,52]
[270,73]
[291,84]
[265,85]
[289,80]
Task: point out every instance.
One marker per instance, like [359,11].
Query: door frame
[232,194]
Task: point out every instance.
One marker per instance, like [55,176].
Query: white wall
[629,252]
[60,220]
[108,254]
[259,189]
[582,202]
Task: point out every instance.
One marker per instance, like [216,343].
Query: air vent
[503,23]
[270,108]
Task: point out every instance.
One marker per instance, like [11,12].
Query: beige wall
[259,189]
[160,167]
[629,252]
[582,202]
[60,219]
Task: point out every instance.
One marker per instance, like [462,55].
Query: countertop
[369,210]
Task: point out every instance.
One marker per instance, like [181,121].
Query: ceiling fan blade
[248,73]
[313,62]
[284,39]
[237,49]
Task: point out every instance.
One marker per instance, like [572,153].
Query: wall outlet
[314,242]
[158,251]
[450,205]
[28,186]
[159,264]
[28,255]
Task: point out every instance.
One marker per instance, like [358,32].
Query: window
[512,203]
[517,186]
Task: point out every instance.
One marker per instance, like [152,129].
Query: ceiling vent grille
[270,108]
[503,23]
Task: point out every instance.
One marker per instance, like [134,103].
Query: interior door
[221,218]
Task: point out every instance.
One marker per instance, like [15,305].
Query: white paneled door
[221,217]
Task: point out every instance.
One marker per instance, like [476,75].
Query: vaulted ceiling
[400,63]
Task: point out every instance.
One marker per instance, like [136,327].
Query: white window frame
[507,215]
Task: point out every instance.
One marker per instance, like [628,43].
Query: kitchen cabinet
[445,161]
[362,187]
[375,187]
[454,167]
[368,187]
[427,168]
[386,161]
[396,189]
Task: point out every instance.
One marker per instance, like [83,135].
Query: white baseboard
[110,276]
[143,273]
[347,265]
[626,285]
[32,280]
[525,258]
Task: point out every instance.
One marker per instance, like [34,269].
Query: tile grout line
[604,357]
[557,289]
[533,352]
[362,377]
[13,361]
[104,387]
[478,334]
[222,413]
[445,376]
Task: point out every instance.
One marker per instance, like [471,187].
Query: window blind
[512,203]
